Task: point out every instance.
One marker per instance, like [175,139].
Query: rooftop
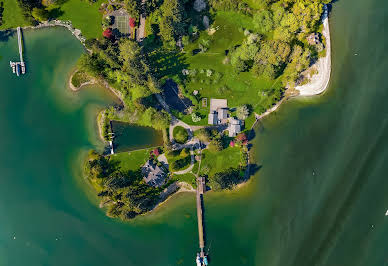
[152,174]
[216,104]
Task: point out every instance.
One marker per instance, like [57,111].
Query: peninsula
[201,72]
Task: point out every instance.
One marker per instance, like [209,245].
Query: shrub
[215,145]
[242,112]
[204,135]
[180,164]
[180,134]
[195,117]
[227,179]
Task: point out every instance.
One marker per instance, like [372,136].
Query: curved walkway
[176,122]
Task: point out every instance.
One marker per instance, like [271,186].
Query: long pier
[201,188]
[19,66]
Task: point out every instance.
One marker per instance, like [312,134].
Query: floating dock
[19,67]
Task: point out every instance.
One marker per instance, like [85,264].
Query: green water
[130,137]
[285,216]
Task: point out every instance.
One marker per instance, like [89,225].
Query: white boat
[13,66]
[386,213]
[198,260]
[17,66]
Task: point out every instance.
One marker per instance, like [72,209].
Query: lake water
[318,199]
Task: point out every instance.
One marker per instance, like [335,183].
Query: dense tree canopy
[124,193]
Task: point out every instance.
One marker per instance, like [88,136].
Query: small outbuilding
[234,127]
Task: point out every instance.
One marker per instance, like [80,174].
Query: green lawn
[188,178]
[131,160]
[180,134]
[12,16]
[213,163]
[84,16]
[178,155]
[238,89]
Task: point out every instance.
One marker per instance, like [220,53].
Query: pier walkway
[200,190]
[17,66]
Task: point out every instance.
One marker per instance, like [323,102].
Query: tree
[226,179]
[204,135]
[172,22]
[91,64]
[107,33]
[278,12]
[263,21]
[40,14]
[180,134]
[242,112]
[290,21]
[282,33]
[215,145]
[133,7]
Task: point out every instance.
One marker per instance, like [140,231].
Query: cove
[285,215]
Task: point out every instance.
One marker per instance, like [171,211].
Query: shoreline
[74,88]
[59,23]
[317,85]
[94,81]
[319,82]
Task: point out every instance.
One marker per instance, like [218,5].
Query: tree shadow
[55,13]
[5,35]
[168,63]
[252,169]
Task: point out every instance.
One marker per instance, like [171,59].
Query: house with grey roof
[153,175]
[218,112]
[213,118]
[234,127]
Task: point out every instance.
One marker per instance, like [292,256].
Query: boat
[23,67]
[17,69]
[386,213]
[12,64]
[198,260]
[205,261]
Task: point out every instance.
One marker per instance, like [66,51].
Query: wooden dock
[201,188]
[19,66]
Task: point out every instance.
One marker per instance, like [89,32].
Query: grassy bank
[84,16]
[12,15]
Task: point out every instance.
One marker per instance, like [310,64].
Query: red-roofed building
[107,33]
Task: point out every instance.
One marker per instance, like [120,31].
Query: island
[203,72]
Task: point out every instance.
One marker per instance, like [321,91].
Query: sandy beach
[320,81]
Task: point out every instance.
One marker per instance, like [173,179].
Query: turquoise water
[285,216]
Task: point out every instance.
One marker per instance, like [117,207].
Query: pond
[131,137]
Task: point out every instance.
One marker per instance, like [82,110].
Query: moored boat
[198,260]
[205,261]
